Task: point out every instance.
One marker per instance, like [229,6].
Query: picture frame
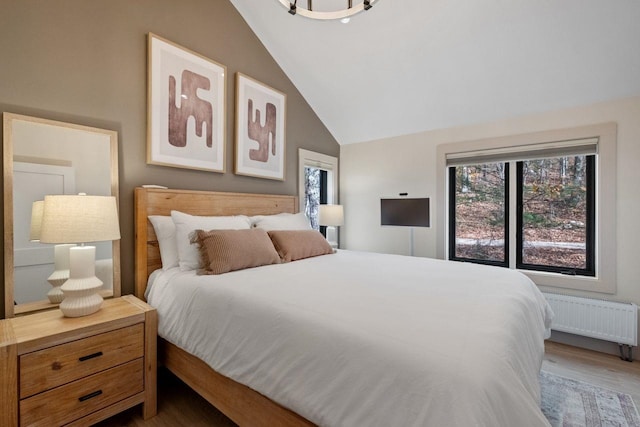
[186,108]
[260,140]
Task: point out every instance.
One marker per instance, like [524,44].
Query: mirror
[47,157]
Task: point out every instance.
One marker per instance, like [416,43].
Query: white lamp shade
[79,219]
[331,215]
[36,220]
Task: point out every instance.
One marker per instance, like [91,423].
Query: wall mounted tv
[407,212]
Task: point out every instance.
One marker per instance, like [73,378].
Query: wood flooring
[592,367]
[178,405]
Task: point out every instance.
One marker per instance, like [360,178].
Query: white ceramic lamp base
[56,295]
[61,273]
[81,296]
[56,280]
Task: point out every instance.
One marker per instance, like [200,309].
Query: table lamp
[36,221]
[61,255]
[331,216]
[80,219]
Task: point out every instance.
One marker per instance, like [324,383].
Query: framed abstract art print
[186,108]
[260,129]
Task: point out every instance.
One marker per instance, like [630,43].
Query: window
[556,215]
[547,204]
[315,194]
[318,184]
[554,211]
[478,203]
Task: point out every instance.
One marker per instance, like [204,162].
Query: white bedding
[363,339]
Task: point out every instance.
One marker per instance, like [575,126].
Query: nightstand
[57,370]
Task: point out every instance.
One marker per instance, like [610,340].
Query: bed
[349,338]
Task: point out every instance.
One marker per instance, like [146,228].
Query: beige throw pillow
[222,251]
[293,245]
[186,224]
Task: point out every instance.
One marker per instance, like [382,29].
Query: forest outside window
[554,213]
[478,203]
[559,222]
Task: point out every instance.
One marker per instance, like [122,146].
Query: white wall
[376,169]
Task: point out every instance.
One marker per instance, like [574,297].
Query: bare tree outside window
[312,195]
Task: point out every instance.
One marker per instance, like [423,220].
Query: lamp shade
[36,220]
[79,219]
[331,215]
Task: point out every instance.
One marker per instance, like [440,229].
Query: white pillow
[188,255]
[166,233]
[282,221]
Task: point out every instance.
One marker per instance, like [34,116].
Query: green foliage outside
[554,208]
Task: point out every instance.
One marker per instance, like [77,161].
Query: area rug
[571,403]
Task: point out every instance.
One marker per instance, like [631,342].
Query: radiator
[605,320]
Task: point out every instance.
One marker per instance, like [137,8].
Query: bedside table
[59,370]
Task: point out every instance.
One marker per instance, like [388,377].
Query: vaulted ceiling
[407,66]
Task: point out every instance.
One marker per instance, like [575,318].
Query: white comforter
[363,339]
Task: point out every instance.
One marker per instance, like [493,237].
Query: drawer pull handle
[90,395]
[90,356]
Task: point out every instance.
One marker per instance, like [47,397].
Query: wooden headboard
[155,201]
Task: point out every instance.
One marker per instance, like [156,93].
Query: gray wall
[84,62]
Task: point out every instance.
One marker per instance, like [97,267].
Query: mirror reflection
[51,158]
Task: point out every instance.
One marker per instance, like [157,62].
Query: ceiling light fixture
[327,9]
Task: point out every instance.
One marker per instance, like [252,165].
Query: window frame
[606,201]
[328,165]
[452,223]
[320,161]
[590,270]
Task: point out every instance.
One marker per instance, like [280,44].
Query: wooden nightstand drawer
[45,369]
[71,401]
[77,371]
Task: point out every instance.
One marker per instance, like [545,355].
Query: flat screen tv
[407,212]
